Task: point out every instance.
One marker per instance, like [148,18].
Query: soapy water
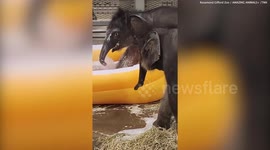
[110,64]
[132,133]
[128,59]
[129,119]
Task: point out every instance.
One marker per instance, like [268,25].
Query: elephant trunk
[104,51]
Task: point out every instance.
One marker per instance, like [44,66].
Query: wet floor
[129,119]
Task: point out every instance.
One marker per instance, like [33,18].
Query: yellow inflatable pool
[116,86]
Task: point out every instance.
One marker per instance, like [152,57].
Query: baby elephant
[159,51]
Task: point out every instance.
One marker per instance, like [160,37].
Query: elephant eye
[116,34]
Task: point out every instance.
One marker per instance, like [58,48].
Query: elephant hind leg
[173,104]
[164,114]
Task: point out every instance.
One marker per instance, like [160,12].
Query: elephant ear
[151,48]
[138,25]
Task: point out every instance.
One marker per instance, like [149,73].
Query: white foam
[135,109]
[131,133]
[97,109]
[115,71]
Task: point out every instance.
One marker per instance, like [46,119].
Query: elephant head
[117,35]
[121,31]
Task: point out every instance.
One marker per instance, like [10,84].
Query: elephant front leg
[164,114]
[142,74]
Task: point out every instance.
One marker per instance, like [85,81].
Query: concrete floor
[129,119]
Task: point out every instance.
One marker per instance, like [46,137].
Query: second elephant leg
[164,113]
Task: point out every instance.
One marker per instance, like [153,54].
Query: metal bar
[139,4]
[101,22]
[99,31]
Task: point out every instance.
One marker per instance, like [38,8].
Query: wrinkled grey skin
[160,52]
[169,60]
[135,26]
[164,113]
[120,34]
[244,32]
